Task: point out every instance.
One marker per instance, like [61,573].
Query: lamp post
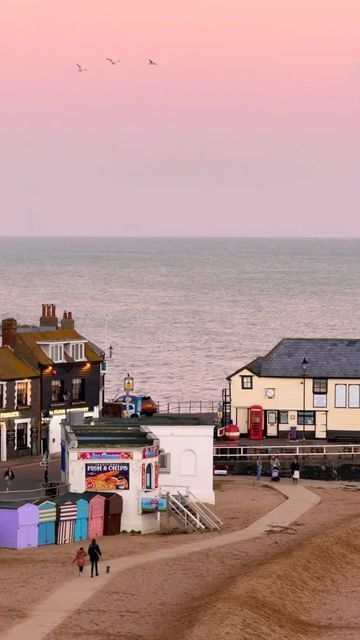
[304,367]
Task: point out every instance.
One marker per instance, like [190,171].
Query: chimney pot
[43,309]
[9,326]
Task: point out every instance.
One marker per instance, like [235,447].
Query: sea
[181,314]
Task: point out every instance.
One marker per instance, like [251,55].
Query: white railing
[264,451]
[188,406]
[34,494]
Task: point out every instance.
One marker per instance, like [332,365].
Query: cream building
[308,385]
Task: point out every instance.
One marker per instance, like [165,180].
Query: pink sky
[249,125]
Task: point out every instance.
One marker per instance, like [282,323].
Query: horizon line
[175,237]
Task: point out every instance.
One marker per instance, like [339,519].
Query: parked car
[138,405]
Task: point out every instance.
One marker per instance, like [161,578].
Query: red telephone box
[256,421]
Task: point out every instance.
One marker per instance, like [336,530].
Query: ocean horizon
[182,313]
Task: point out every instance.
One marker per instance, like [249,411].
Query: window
[77,351]
[22,394]
[340,395]
[319,385]
[57,352]
[246,382]
[2,395]
[149,476]
[78,389]
[271,417]
[306,417]
[164,462]
[22,434]
[57,390]
[283,417]
[354,396]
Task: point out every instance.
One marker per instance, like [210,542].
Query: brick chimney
[9,326]
[67,321]
[48,316]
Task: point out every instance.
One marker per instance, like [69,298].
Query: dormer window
[77,351]
[57,352]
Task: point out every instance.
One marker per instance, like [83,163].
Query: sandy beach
[299,583]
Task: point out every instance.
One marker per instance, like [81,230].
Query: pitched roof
[29,341]
[13,368]
[326,358]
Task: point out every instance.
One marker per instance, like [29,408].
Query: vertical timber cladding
[68,372]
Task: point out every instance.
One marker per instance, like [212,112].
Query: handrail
[185,514]
[188,406]
[17,495]
[264,451]
[208,514]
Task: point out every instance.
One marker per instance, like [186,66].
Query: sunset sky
[248,126]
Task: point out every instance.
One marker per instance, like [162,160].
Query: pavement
[47,615]
[29,474]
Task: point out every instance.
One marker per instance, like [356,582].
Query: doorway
[271,423]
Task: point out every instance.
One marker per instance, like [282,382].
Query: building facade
[20,420]
[70,367]
[310,387]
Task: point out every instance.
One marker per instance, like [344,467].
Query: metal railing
[247,452]
[188,406]
[32,495]
[193,513]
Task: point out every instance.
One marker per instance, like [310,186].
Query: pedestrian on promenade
[94,555]
[80,559]
[258,468]
[9,476]
[295,470]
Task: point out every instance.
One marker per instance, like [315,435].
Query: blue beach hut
[82,514]
[47,520]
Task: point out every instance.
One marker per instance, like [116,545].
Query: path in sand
[51,612]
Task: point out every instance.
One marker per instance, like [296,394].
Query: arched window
[188,463]
[149,476]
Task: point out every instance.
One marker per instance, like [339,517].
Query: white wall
[191,458]
[54,429]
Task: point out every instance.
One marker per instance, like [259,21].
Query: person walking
[295,470]
[258,468]
[80,559]
[94,555]
[9,476]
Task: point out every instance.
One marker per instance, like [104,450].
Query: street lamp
[304,367]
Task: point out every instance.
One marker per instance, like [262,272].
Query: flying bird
[152,61]
[80,68]
[112,61]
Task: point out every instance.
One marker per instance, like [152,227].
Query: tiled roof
[13,368]
[326,358]
[29,341]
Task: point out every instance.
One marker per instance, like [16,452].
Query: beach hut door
[25,537]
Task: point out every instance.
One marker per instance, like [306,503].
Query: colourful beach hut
[66,513]
[47,521]
[113,511]
[82,516]
[96,514]
[18,525]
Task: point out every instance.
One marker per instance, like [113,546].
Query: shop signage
[150,452]
[156,465]
[111,476]
[105,455]
[62,412]
[149,504]
[143,481]
[10,414]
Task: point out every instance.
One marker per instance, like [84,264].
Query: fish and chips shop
[116,458]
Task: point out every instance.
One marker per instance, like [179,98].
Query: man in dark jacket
[94,555]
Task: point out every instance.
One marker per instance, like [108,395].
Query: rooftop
[30,339]
[107,435]
[326,358]
[12,367]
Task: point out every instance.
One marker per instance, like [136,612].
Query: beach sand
[300,583]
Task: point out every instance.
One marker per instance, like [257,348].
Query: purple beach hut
[18,525]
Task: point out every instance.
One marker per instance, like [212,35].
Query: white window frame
[3,385]
[353,398]
[340,406]
[81,347]
[60,346]
[164,457]
[28,397]
[28,431]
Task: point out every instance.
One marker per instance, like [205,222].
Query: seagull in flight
[112,61]
[152,61]
[80,68]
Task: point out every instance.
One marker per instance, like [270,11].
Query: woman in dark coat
[94,555]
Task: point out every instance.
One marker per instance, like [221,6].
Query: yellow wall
[289,397]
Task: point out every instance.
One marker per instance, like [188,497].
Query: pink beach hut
[96,515]
[18,525]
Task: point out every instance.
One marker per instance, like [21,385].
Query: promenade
[47,615]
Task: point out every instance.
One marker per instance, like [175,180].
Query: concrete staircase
[191,513]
